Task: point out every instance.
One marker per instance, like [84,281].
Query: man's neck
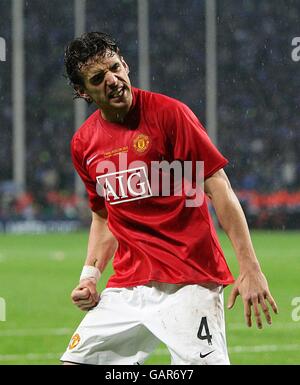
[115,116]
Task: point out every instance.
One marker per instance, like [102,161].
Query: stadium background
[257,130]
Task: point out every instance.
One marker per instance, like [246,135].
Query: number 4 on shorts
[203,332]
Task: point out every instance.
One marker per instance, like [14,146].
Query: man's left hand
[254,290]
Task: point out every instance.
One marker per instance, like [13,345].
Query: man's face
[106,81]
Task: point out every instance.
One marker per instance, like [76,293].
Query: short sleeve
[96,202]
[190,141]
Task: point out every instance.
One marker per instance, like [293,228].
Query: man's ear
[81,92]
[125,65]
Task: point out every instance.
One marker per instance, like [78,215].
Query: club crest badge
[141,143]
[74,341]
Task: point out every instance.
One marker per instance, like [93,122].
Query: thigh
[111,333]
[190,321]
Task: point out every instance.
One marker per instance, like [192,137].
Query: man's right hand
[85,295]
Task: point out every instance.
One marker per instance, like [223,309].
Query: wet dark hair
[82,49]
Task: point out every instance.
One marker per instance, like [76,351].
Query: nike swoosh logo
[89,160]
[205,355]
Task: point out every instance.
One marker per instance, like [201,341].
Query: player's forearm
[102,244]
[233,221]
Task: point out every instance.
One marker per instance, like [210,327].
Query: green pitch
[38,272]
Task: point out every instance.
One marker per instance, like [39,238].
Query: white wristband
[90,272]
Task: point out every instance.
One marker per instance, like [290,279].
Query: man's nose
[111,79]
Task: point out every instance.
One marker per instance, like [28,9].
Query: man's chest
[121,162]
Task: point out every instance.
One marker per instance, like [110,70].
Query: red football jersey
[160,238]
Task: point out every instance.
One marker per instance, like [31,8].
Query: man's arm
[101,247]
[251,283]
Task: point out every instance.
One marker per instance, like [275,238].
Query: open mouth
[118,93]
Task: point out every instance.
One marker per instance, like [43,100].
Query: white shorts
[128,324]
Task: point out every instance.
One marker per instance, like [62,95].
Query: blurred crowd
[258,97]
